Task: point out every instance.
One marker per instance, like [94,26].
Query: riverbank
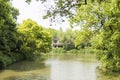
[8,59]
[11,58]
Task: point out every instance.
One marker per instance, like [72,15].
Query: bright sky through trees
[35,11]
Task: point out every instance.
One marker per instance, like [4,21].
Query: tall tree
[34,37]
[8,16]
[103,20]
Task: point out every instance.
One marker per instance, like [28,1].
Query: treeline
[20,42]
[70,41]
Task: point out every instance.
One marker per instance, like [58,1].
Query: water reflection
[54,68]
[72,69]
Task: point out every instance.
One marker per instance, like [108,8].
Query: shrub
[4,60]
[27,53]
[58,50]
[16,57]
[74,51]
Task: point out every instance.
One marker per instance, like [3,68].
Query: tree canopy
[103,20]
[35,37]
[8,16]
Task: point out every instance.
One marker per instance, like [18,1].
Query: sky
[35,11]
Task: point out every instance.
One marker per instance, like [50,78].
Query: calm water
[53,68]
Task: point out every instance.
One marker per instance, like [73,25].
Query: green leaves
[83,37]
[8,15]
[34,36]
[102,19]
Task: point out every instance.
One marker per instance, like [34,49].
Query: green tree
[8,16]
[83,38]
[68,39]
[52,31]
[34,37]
[8,34]
[103,20]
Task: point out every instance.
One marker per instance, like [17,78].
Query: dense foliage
[101,19]
[65,37]
[18,43]
[8,33]
[34,37]
[8,38]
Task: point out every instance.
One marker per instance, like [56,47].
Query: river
[67,67]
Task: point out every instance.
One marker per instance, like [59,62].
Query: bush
[27,53]
[16,57]
[4,60]
[74,51]
[58,50]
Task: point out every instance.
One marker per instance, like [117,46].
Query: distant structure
[56,43]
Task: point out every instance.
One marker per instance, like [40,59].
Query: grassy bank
[73,51]
[88,52]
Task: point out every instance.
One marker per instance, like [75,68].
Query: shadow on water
[27,70]
[1,71]
[28,78]
[28,65]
